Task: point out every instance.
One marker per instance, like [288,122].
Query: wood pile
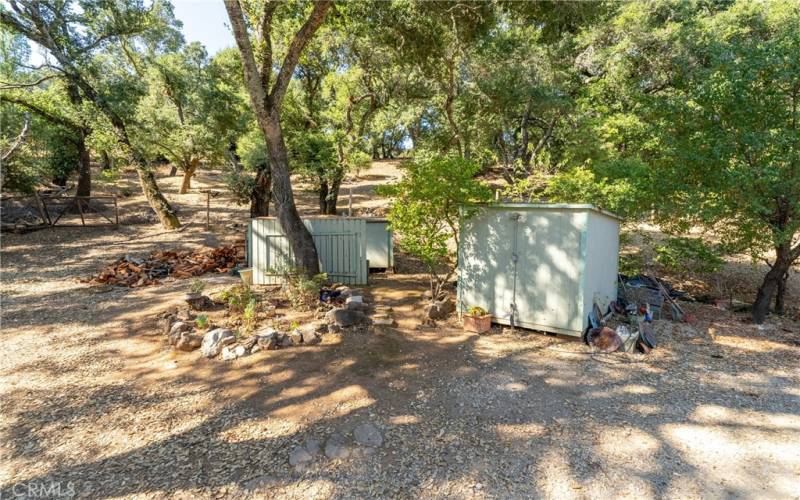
[133,272]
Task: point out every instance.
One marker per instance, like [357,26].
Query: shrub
[197,286]
[250,315]
[237,297]
[301,290]
[201,321]
[425,212]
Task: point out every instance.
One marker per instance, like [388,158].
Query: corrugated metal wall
[341,246]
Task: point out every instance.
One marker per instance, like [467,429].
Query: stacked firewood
[134,272]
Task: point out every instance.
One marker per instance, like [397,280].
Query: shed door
[339,256]
[548,275]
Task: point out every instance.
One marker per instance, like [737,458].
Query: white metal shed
[341,247]
[380,250]
[541,266]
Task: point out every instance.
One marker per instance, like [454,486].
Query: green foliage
[250,314]
[197,286]
[301,290]
[688,255]
[201,321]
[425,210]
[477,311]
[238,297]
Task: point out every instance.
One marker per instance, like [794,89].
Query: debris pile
[133,272]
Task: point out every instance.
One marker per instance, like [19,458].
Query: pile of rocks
[182,335]
[352,311]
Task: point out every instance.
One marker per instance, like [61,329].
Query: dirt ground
[95,404]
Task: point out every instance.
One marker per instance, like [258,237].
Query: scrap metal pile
[133,272]
[627,324]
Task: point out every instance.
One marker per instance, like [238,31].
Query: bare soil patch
[93,396]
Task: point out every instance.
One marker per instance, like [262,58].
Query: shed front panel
[340,246]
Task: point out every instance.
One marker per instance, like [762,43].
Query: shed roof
[552,206]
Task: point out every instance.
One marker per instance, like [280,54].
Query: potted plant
[477,320]
[195,297]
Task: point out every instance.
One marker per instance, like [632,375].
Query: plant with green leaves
[237,297]
[477,311]
[201,321]
[250,314]
[425,210]
[302,291]
[197,286]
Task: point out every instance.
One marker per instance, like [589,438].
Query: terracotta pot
[477,324]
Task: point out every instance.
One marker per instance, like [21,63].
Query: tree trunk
[333,196]
[261,194]
[780,296]
[188,172]
[84,167]
[323,196]
[771,283]
[173,170]
[157,201]
[106,159]
[305,251]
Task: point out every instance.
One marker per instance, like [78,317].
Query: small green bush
[197,286]
[201,321]
[250,314]
[237,297]
[302,291]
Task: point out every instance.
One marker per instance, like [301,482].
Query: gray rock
[215,340]
[286,341]
[228,354]
[368,435]
[231,352]
[297,336]
[354,298]
[334,328]
[184,315]
[344,317]
[299,455]
[313,445]
[268,342]
[385,321]
[357,306]
[337,447]
[189,341]
[311,338]
[179,326]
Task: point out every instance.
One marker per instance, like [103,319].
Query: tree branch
[299,42]
[18,141]
[252,79]
[47,115]
[265,35]
[8,86]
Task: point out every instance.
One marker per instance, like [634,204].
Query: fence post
[350,204]
[80,209]
[40,206]
[116,211]
[208,210]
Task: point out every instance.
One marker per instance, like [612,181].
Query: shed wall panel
[341,247]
